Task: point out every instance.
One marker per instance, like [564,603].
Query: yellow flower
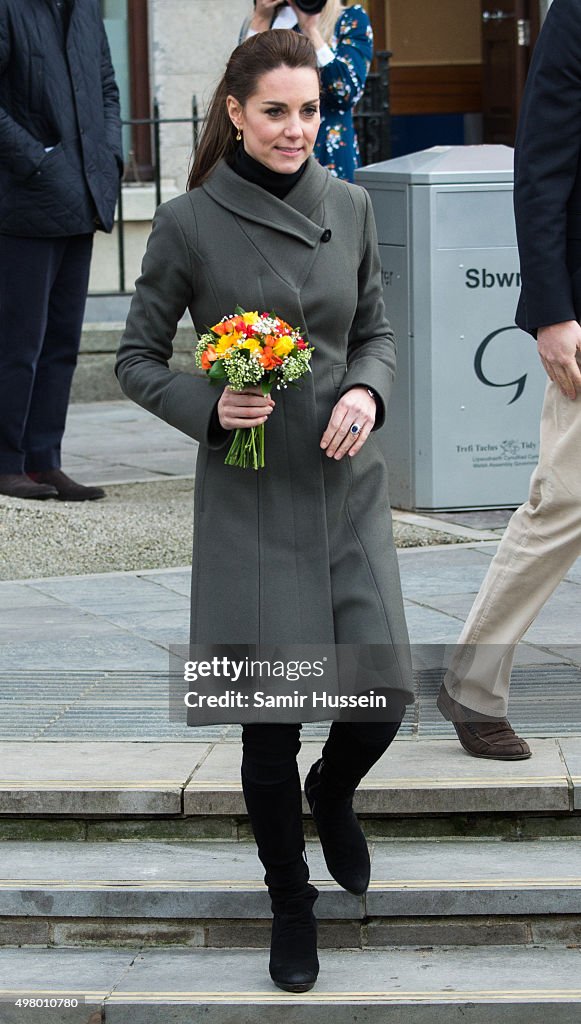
[251,344]
[283,347]
[224,344]
[251,318]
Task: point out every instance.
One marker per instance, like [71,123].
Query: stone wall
[190,42]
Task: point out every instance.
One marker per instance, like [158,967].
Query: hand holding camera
[264,12]
[308,16]
[266,8]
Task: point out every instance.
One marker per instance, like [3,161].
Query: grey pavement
[118,442]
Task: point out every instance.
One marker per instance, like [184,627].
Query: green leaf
[217,371]
[239,311]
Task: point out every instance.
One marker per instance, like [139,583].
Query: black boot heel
[294,965]
[344,845]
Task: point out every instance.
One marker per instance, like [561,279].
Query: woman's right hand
[246,408]
[263,13]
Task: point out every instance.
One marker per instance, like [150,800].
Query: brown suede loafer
[481,736]
[19,485]
[67,489]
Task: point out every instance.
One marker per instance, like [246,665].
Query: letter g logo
[519,383]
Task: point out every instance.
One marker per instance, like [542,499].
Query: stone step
[188,780]
[418,986]
[94,379]
[204,892]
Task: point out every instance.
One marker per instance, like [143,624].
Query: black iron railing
[155,122]
[372,114]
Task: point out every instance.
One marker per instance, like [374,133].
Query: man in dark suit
[60,162]
[543,538]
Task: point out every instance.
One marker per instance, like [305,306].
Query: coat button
[326,236]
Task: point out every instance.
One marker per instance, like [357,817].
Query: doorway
[509,32]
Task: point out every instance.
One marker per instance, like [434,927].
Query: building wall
[190,43]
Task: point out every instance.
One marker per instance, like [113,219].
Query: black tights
[272,788]
[269,750]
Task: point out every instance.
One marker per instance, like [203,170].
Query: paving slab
[86,778]
[178,580]
[102,649]
[439,574]
[429,626]
[431,776]
[118,442]
[84,975]
[445,878]
[233,987]
[574,574]
[103,595]
[571,749]
[50,622]
[520,985]
[205,880]
[151,880]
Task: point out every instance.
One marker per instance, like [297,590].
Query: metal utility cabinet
[463,424]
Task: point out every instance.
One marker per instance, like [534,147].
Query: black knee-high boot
[273,799]
[350,751]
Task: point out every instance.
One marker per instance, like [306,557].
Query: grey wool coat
[302,550]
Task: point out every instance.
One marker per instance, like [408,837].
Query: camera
[309,6]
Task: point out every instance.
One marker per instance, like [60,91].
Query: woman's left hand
[355,406]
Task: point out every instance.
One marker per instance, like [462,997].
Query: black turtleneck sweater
[278,185]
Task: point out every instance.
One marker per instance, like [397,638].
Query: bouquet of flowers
[252,348]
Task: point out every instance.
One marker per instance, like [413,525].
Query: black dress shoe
[19,485]
[294,965]
[67,489]
[480,735]
[344,845]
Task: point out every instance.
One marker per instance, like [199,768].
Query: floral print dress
[342,85]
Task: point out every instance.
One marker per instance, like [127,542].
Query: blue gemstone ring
[355,428]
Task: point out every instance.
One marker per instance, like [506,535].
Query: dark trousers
[43,289]
[272,789]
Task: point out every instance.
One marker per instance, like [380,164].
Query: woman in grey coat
[300,552]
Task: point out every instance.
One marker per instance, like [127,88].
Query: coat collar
[290,215]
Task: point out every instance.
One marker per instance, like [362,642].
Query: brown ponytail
[258,55]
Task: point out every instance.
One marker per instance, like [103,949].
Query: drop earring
[239,135]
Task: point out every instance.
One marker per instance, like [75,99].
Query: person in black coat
[60,164]
[543,538]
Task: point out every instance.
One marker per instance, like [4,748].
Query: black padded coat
[57,90]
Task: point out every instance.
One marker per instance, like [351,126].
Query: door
[509,31]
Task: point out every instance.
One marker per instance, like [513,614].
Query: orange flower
[209,355]
[269,360]
[228,325]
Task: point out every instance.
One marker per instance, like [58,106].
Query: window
[126,24]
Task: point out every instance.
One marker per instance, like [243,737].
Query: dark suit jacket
[548,176]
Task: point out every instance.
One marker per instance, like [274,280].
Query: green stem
[247,448]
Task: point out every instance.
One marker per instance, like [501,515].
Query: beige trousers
[540,544]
